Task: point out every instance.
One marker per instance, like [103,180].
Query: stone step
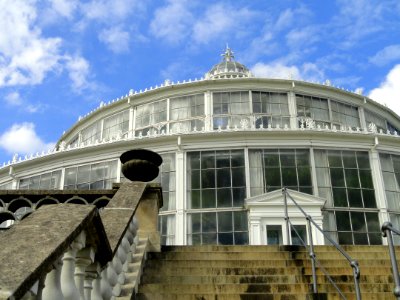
[200,279]
[278,288]
[274,248]
[258,296]
[211,271]
[171,263]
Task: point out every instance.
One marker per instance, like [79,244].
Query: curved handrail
[387,229]
[353,263]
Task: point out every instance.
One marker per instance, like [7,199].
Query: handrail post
[286,217]
[356,275]
[386,230]
[312,255]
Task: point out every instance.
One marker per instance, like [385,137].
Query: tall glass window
[230,109]
[116,125]
[345,115]
[151,117]
[223,228]
[186,113]
[91,133]
[342,115]
[46,181]
[314,108]
[380,123]
[216,189]
[344,178]
[272,169]
[91,177]
[390,165]
[270,109]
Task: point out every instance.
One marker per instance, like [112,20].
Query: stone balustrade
[72,251]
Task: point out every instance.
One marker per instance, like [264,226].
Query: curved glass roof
[228,68]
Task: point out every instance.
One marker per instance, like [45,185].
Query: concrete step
[171,263]
[258,296]
[278,288]
[193,279]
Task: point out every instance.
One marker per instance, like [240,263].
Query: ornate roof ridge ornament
[228,54]
[228,67]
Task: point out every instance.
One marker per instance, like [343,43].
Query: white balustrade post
[91,290]
[52,284]
[108,280]
[83,259]
[116,266]
[68,287]
[122,256]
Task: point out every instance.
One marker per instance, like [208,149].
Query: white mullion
[291,98]
[168,116]
[132,112]
[314,180]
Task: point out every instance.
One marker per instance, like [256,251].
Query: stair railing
[314,262]
[387,231]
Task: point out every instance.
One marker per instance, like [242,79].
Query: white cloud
[275,70]
[23,139]
[116,39]
[13,99]
[78,69]
[388,93]
[303,36]
[65,8]
[307,71]
[386,55]
[109,10]
[25,55]
[172,22]
[220,19]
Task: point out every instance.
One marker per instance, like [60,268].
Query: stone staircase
[261,272]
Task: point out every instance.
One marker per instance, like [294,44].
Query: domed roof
[228,68]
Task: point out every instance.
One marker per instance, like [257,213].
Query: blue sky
[60,58]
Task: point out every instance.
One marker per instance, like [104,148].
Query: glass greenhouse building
[230,142]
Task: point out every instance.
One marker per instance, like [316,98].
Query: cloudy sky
[60,58]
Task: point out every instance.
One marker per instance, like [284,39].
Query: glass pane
[208,178]
[209,238]
[208,198]
[349,159]
[238,177]
[224,198]
[335,159]
[223,158]
[354,197]
[274,234]
[209,222]
[223,177]
[369,198]
[339,197]
[239,194]
[337,177]
[271,159]
[363,160]
[360,238]
[240,220]
[289,177]
[225,221]
[358,221]
[237,158]
[366,179]
[225,238]
[207,160]
[241,238]
[372,222]
[342,221]
[345,238]
[272,177]
[195,199]
[352,178]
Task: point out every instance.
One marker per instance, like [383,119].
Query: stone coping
[41,239]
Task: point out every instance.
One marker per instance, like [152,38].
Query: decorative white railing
[246,125]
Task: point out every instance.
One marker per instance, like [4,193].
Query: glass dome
[228,68]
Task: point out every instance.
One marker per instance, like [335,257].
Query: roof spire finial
[228,55]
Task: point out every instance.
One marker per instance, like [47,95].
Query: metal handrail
[387,229]
[353,263]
